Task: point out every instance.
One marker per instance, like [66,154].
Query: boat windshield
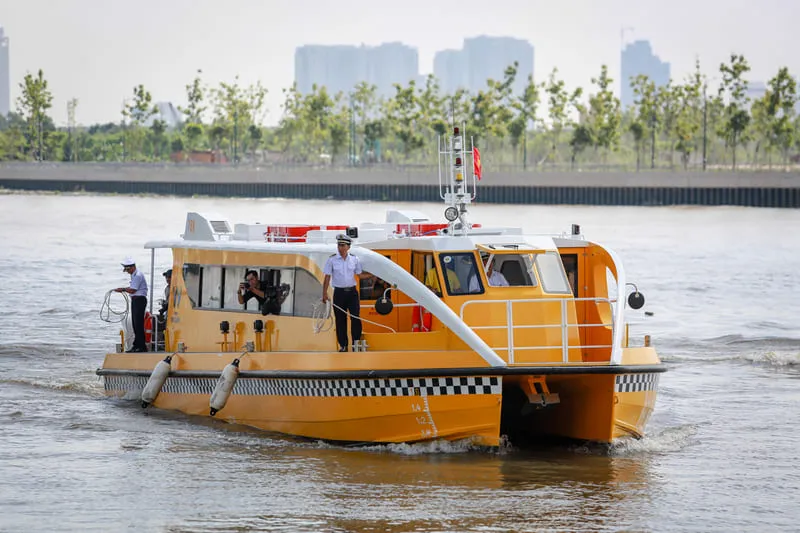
[461,273]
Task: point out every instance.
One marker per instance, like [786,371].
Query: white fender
[224,386]
[156,381]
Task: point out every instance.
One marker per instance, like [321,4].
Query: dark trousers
[347,299]
[138,305]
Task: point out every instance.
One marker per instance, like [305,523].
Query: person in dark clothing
[251,288]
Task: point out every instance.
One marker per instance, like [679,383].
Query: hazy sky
[97,50]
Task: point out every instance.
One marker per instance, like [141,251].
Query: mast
[454,187]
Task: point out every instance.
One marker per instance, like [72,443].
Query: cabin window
[423,267]
[192,274]
[551,272]
[458,270]
[570,262]
[288,291]
[516,269]
[371,287]
[279,287]
[211,287]
[233,277]
[307,292]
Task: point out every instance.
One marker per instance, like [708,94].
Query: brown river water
[721,453]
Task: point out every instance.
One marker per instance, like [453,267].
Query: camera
[274,296]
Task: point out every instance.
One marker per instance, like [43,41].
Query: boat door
[371,287]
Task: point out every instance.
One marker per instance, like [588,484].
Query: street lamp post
[235,136]
[705,125]
[653,140]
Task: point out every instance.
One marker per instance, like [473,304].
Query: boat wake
[669,440]
[778,352]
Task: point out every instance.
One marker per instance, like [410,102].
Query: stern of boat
[597,405]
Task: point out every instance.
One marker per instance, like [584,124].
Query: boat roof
[411,231]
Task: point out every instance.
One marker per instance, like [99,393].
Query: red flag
[476,162]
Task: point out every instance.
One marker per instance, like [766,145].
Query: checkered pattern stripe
[635,382]
[449,386]
[124,383]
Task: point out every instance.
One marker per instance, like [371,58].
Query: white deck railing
[563,325]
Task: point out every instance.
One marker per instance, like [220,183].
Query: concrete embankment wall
[761,189]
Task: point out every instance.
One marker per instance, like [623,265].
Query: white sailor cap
[128,261]
[343,239]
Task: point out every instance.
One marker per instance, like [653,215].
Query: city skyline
[97,52]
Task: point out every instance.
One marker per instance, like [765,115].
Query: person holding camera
[251,288]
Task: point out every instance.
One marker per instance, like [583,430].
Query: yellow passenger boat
[450,349]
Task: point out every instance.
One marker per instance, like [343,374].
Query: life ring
[148,327]
[423,319]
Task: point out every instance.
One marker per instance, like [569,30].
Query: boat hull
[348,410]
[591,402]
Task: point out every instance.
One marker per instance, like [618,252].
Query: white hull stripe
[449,386]
[635,382]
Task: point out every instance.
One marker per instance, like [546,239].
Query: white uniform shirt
[138,283]
[342,270]
[496,279]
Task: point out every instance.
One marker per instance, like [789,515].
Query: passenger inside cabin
[459,268]
[162,312]
[432,280]
[496,279]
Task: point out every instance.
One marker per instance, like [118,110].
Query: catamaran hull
[599,407]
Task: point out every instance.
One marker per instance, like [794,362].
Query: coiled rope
[321,313]
[108,314]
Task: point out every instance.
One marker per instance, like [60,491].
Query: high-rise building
[637,59]
[391,63]
[450,68]
[5,75]
[341,68]
[483,58]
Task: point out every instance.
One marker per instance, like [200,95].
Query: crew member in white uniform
[495,278]
[340,271]
[138,292]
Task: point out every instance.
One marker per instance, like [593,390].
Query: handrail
[563,325]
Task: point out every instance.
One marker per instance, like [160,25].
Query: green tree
[604,113]
[232,111]
[403,111]
[338,127]
[365,106]
[689,118]
[781,110]
[194,132]
[291,123]
[646,118]
[193,112]
[559,101]
[527,106]
[158,138]
[195,96]
[139,110]
[431,112]
[582,134]
[669,99]
[733,90]
[33,104]
[318,111]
